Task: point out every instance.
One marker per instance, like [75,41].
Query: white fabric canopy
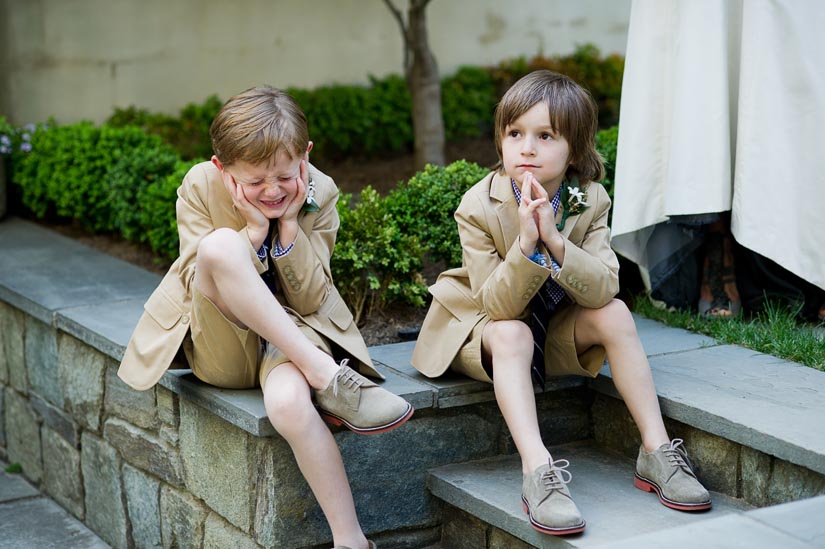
[723,109]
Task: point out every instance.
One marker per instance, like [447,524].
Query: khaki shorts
[225,355]
[560,357]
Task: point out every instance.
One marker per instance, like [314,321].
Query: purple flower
[31,128]
[26,137]
[4,149]
[26,147]
[4,140]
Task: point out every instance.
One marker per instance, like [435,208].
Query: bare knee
[288,403]
[220,247]
[507,339]
[612,321]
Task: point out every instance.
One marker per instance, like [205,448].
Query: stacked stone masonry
[149,469]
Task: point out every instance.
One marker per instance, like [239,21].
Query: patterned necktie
[542,306]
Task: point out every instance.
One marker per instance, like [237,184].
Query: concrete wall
[77,59]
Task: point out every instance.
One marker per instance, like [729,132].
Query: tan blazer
[204,205]
[497,281]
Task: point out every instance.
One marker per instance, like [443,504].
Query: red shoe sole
[337,421]
[647,486]
[551,531]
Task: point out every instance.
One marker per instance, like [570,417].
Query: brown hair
[255,124]
[573,114]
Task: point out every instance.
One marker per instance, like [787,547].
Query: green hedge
[375,262]
[374,120]
[188,132]
[601,75]
[123,180]
[424,207]
[91,174]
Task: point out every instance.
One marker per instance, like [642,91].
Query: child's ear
[217,162]
[309,148]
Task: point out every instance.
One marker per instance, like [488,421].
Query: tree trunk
[425,88]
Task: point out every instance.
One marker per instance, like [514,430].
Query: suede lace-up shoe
[668,472]
[352,400]
[547,501]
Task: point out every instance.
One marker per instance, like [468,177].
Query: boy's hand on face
[528,216]
[257,224]
[291,212]
[287,223]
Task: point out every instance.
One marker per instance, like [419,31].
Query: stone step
[795,525]
[29,520]
[602,485]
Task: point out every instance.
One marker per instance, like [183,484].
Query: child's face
[529,144]
[269,186]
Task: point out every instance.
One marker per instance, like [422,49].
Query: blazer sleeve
[505,285]
[590,272]
[304,272]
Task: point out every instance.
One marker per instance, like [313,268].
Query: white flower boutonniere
[574,201]
[311,205]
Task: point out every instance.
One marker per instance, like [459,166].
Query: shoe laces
[346,377]
[555,478]
[677,456]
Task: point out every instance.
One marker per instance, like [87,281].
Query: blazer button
[584,288]
[184,319]
[526,297]
[571,279]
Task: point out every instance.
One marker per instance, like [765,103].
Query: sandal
[719,280]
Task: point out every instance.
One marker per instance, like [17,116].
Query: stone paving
[29,520]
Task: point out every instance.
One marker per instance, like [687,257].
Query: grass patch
[14,468]
[774,331]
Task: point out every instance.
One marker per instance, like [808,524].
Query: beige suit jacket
[497,281]
[204,205]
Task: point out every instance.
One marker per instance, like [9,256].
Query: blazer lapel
[501,190]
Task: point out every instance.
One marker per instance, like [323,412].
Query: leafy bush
[606,141]
[358,120]
[601,76]
[468,100]
[376,119]
[375,262]
[72,169]
[156,216]
[424,206]
[146,164]
[188,133]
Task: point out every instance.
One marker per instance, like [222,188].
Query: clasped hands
[537,220]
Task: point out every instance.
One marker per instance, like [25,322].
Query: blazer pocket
[337,311]
[163,309]
[455,298]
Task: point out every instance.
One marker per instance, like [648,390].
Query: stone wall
[722,465]
[152,468]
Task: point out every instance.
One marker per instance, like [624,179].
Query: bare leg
[612,326]
[288,402]
[225,274]
[509,343]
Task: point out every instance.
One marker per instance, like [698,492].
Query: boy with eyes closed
[251,300]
